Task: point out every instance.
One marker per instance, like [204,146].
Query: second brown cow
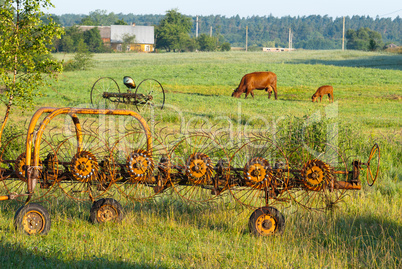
[257,80]
[321,91]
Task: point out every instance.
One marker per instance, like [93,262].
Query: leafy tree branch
[24,52]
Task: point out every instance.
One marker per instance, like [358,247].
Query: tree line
[309,32]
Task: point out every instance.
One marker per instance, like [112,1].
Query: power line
[390,13]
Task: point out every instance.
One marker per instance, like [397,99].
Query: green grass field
[364,231]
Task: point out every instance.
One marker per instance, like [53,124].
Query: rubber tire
[106,202]
[272,212]
[23,210]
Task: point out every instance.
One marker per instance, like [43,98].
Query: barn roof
[143,34]
[104,30]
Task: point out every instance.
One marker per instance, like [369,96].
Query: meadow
[363,231]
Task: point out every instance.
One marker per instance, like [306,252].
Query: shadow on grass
[199,94]
[369,229]
[19,256]
[370,241]
[294,99]
[387,62]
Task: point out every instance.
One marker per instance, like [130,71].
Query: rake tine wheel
[373,163]
[149,94]
[102,85]
[200,168]
[313,186]
[13,173]
[259,174]
[88,168]
[140,175]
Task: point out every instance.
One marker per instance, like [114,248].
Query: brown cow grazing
[257,80]
[323,90]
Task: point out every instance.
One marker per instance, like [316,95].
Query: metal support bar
[127,95]
[345,185]
[4,197]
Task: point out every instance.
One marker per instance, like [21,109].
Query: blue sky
[228,8]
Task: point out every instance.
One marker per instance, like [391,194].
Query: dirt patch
[393,97]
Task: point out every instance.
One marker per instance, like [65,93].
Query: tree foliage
[24,51]
[127,40]
[93,40]
[207,43]
[225,46]
[74,36]
[173,31]
[120,22]
[363,39]
[70,39]
[99,18]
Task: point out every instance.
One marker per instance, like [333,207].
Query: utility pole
[196,27]
[246,37]
[210,31]
[290,39]
[343,34]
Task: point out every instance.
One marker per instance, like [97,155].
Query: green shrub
[225,46]
[81,61]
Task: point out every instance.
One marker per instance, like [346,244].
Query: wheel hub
[256,173]
[107,213]
[33,222]
[84,166]
[199,168]
[315,174]
[139,165]
[266,224]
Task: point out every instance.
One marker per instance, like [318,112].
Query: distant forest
[309,32]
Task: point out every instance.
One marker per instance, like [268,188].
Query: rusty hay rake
[92,160]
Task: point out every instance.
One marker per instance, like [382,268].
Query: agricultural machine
[96,155]
[86,163]
[106,92]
